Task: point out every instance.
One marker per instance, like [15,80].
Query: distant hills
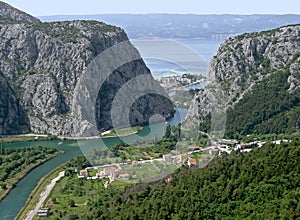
[185,25]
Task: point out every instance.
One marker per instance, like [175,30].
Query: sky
[79,7]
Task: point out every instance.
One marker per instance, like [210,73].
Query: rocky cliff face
[8,12]
[41,65]
[13,119]
[244,61]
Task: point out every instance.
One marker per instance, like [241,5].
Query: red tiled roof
[193,161]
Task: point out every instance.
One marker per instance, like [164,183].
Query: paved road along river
[15,200]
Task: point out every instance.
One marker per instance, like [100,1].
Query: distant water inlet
[127,96]
[184,58]
[130,92]
[166,51]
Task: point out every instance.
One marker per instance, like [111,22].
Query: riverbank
[43,137]
[24,173]
[44,195]
[34,197]
[10,207]
[26,138]
[121,132]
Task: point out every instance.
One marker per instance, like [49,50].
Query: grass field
[149,171]
[72,195]
[25,138]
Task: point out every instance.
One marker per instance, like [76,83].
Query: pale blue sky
[67,7]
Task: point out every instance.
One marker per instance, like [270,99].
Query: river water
[15,200]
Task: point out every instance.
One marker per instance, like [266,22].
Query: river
[15,200]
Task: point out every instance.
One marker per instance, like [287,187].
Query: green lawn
[196,155]
[148,171]
[92,172]
[71,196]
[24,138]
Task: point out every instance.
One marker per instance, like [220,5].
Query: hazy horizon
[92,7]
[162,14]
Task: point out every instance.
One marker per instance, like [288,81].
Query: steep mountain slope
[43,63]
[258,78]
[8,12]
[13,119]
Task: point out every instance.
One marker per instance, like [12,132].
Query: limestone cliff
[13,119]
[8,12]
[41,65]
[244,65]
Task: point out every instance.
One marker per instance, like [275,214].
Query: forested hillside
[15,163]
[269,108]
[262,184]
[255,79]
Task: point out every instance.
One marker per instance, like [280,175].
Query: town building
[83,174]
[192,162]
[213,151]
[100,174]
[168,158]
[43,212]
[183,158]
[108,171]
[135,162]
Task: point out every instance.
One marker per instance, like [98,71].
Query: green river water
[15,200]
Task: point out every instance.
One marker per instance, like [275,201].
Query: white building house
[168,158]
[213,151]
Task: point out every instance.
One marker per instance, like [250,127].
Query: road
[44,195]
[48,189]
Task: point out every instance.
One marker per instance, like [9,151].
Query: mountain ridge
[10,13]
[238,67]
[42,63]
